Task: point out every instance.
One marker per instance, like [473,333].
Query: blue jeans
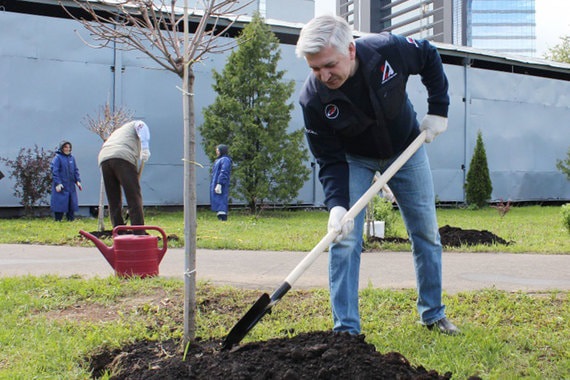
[412,186]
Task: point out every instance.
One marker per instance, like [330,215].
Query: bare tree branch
[106,120]
[154,27]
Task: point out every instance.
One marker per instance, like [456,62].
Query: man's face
[332,67]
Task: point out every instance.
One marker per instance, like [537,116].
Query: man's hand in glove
[335,217]
[145,155]
[58,188]
[433,125]
[218,189]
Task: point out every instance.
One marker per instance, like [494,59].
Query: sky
[552,21]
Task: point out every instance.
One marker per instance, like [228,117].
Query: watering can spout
[107,251]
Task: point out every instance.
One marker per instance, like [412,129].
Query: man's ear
[352,50]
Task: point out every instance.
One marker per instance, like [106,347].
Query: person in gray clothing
[118,160]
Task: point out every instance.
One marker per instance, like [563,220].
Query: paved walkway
[267,270]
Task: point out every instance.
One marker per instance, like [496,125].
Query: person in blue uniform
[358,119]
[220,184]
[65,178]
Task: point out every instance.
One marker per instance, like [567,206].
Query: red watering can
[132,255]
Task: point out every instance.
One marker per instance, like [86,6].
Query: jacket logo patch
[387,72]
[412,41]
[331,111]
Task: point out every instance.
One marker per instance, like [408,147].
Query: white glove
[58,188]
[218,189]
[335,217]
[79,186]
[145,155]
[433,125]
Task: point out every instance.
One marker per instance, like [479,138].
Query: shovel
[141,167]
[264,304]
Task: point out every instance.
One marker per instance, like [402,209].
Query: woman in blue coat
[65,175]
[220,185]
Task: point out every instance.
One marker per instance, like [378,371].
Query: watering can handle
[137,228]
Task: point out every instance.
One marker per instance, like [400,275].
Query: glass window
[501,5]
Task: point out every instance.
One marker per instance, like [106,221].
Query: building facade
[504,26]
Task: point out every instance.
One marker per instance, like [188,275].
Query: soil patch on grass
[313,355]
[316,355]
[455,237]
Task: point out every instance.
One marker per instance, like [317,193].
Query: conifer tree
[251,115]
[478,187]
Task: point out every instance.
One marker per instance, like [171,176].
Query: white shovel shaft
[357,207]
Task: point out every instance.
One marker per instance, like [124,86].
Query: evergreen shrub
[478,187]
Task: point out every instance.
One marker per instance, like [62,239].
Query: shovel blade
[261,307]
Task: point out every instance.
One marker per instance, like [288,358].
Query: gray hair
[324,31]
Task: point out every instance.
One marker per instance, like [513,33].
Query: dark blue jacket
[334,125]
[221,175]
[64,171]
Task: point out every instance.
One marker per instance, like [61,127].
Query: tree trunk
[189,192]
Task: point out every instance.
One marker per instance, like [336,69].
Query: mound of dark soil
[456,237]
[317,355]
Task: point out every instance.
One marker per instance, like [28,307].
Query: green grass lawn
[530,229]
[51,325]
[533,229]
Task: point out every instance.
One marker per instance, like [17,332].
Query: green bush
[382,209]
[478,186]
[565,212]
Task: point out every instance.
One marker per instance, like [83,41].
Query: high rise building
[429,19]
[506,26]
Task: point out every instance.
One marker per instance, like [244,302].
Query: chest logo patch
[387,72]
[412,41]
[331,111]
